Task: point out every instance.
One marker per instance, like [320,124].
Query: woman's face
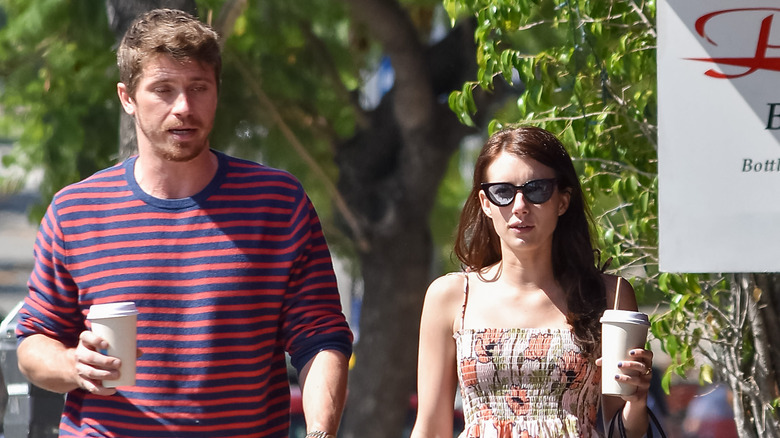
[523,225]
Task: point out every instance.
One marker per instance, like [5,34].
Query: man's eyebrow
[202,79]
[166,79]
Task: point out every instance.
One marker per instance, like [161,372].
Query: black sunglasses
[537,191]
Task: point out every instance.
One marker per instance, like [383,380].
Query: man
[225,260]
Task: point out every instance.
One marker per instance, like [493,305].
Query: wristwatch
[319,434]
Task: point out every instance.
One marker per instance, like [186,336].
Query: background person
[224,258]
[710,414]
[520,328]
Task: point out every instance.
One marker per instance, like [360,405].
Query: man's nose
[182,103]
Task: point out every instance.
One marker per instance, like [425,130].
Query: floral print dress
[526,383]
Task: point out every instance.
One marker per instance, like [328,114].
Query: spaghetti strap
[465,300]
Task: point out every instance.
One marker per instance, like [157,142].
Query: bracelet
[319,434]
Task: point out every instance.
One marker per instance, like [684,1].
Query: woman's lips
[521,228]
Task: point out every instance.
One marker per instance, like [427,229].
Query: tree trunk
[384,380]
[389,175]
[766,368]
[753,377]
[383,191]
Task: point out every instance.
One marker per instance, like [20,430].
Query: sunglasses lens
[501,194]
[539,191]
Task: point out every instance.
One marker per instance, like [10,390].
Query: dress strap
[465,299]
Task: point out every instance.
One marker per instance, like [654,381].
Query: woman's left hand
[637,371]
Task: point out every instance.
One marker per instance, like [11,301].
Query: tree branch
[320,52]
[288,133]
[391,26]
[231,10]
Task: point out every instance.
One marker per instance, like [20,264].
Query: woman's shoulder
[447,288]
[443,301]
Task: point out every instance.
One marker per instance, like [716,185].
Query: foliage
[445,216]
[589,73]
[58,75]
[58,89]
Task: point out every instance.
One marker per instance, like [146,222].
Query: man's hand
[92,367]
[50,365]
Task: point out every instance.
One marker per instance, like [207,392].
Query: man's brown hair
[166,31]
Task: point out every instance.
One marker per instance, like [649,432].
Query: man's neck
[165,179]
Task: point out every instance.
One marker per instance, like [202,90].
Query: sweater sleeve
[312,317]
[51,306]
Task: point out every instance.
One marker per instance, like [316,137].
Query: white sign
[719,135]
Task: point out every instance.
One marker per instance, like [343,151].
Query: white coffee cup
[621,331]
[116,324]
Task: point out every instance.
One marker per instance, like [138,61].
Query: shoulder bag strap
[622,428]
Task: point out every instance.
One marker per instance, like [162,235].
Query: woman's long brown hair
[574,262]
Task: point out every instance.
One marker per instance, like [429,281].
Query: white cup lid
[625,316]
[112,310]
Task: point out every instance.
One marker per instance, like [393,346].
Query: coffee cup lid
[625,316]
[112,310]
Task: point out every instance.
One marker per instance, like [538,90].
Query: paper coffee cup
[116,323]
[621,331]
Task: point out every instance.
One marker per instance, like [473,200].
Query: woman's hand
[638,371]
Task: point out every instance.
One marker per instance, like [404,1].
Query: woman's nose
[520,204]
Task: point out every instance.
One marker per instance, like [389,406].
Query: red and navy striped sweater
[225,282]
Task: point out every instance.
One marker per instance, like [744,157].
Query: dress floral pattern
[526,383]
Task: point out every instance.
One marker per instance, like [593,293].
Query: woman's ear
[484,202]
[563,201]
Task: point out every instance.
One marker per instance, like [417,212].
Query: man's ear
[128,104]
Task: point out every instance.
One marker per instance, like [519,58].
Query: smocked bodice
[526,383]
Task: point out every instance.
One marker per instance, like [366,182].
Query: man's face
[173,106]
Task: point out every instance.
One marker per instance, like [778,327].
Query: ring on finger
[649,371]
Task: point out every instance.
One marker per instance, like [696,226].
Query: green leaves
[58,89]
[463,103]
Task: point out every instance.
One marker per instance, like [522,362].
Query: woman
[520,328]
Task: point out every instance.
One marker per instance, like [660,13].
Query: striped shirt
[225,282]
